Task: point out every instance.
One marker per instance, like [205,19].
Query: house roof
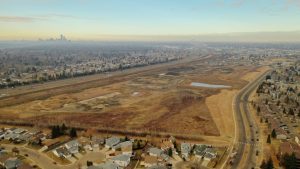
[165,157]
[280,131]
[126,144]
[210,151]
[12,163]
[155,151]
[209,155]
[25,136]
[123,145]
[98,140]
[63,151]
[73,143]
[84,140]
[166,145]
[112,141]
[126,147]
[18,130]
[199,149]
[11,136]
[73,149]
[172,138]
[186,147]
[108,165]
[35,131]
[121,157]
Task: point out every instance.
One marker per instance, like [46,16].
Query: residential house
[121,160]
[11,136]
[108,165]
[26,136]
[83,141]
[73,146]
[210,154]
[172,139]
[41,136]
[9,130]
[62,152]
[88,147]
[126,147]
[166,145]
[164,157]
[35,132]
[186,150]
[199,151]
[281,134]
[96,142]
[208,157]
[19,131]
[155,152]
[112,141]
[12,163]
[73,143]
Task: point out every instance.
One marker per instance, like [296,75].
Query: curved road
[245,125]
[45,162]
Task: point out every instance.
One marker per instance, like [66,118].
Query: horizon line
[230,36]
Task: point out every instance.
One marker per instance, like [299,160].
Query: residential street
[45,162]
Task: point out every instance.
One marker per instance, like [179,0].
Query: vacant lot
[159,100]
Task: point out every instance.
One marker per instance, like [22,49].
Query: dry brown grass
[147,102]
[220,107]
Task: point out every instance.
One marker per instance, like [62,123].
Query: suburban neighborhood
[113,152]
[276,104]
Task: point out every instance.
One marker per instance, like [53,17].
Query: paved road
[245,123]
[45,162]
[39,159]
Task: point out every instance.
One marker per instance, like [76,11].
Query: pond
[197,84]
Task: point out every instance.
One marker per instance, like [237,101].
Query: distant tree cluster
[58,131]
[289,161]
[267,165]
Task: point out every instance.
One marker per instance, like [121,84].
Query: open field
[152,100]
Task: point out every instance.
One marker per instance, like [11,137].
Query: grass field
[158,100]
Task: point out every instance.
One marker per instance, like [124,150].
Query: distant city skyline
[214,20]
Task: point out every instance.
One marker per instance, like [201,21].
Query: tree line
[57,131]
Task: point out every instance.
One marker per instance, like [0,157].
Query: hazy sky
[125,19]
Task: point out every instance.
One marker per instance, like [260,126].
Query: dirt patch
[220,107]
[255,73]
